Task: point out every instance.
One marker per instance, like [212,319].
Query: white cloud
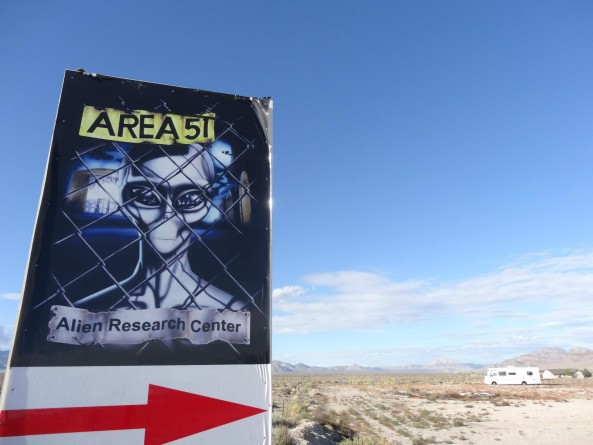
[288,291]
[538,289]
[5,337]
[10,296]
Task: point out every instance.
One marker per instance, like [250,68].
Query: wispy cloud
[10,296]
[539,289]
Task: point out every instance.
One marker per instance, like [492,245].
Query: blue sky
[432,159]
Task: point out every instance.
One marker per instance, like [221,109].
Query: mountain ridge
[450,366]
[554,358]
[544,358]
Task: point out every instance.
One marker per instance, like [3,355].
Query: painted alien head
[165,191]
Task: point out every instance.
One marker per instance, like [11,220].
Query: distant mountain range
[554,358]
[546,358]
[440,365]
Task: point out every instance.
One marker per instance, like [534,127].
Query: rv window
[529,372]
[493,374]
[501,373]
[512,373]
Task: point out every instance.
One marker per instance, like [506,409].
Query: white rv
[512,375]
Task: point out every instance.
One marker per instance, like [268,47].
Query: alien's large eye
[191,200]
[145,196]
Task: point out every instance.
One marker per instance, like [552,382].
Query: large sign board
[150,262]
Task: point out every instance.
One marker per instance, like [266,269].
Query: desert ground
[430,409]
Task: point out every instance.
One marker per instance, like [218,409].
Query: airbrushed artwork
[152,243]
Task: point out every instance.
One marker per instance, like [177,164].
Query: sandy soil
[473,418]
[460,410]
[553,424]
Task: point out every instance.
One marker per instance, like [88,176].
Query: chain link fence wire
[102,242]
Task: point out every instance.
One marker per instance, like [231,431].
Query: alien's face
[164,196]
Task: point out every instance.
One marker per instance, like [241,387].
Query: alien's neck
[166,280]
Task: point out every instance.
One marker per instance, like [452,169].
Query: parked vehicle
[512,375]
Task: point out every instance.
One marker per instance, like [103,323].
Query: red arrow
[169,415]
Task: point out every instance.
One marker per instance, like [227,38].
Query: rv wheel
[494,383]
[523,383]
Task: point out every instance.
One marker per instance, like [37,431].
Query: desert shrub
[281,436]
[280,420]
[386,421]
[458,422]
[295,411]
[426,419]
[423,440]
[363,440]
[586,373]
[501,403]
[420,422]
[404,432]
[338,422]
